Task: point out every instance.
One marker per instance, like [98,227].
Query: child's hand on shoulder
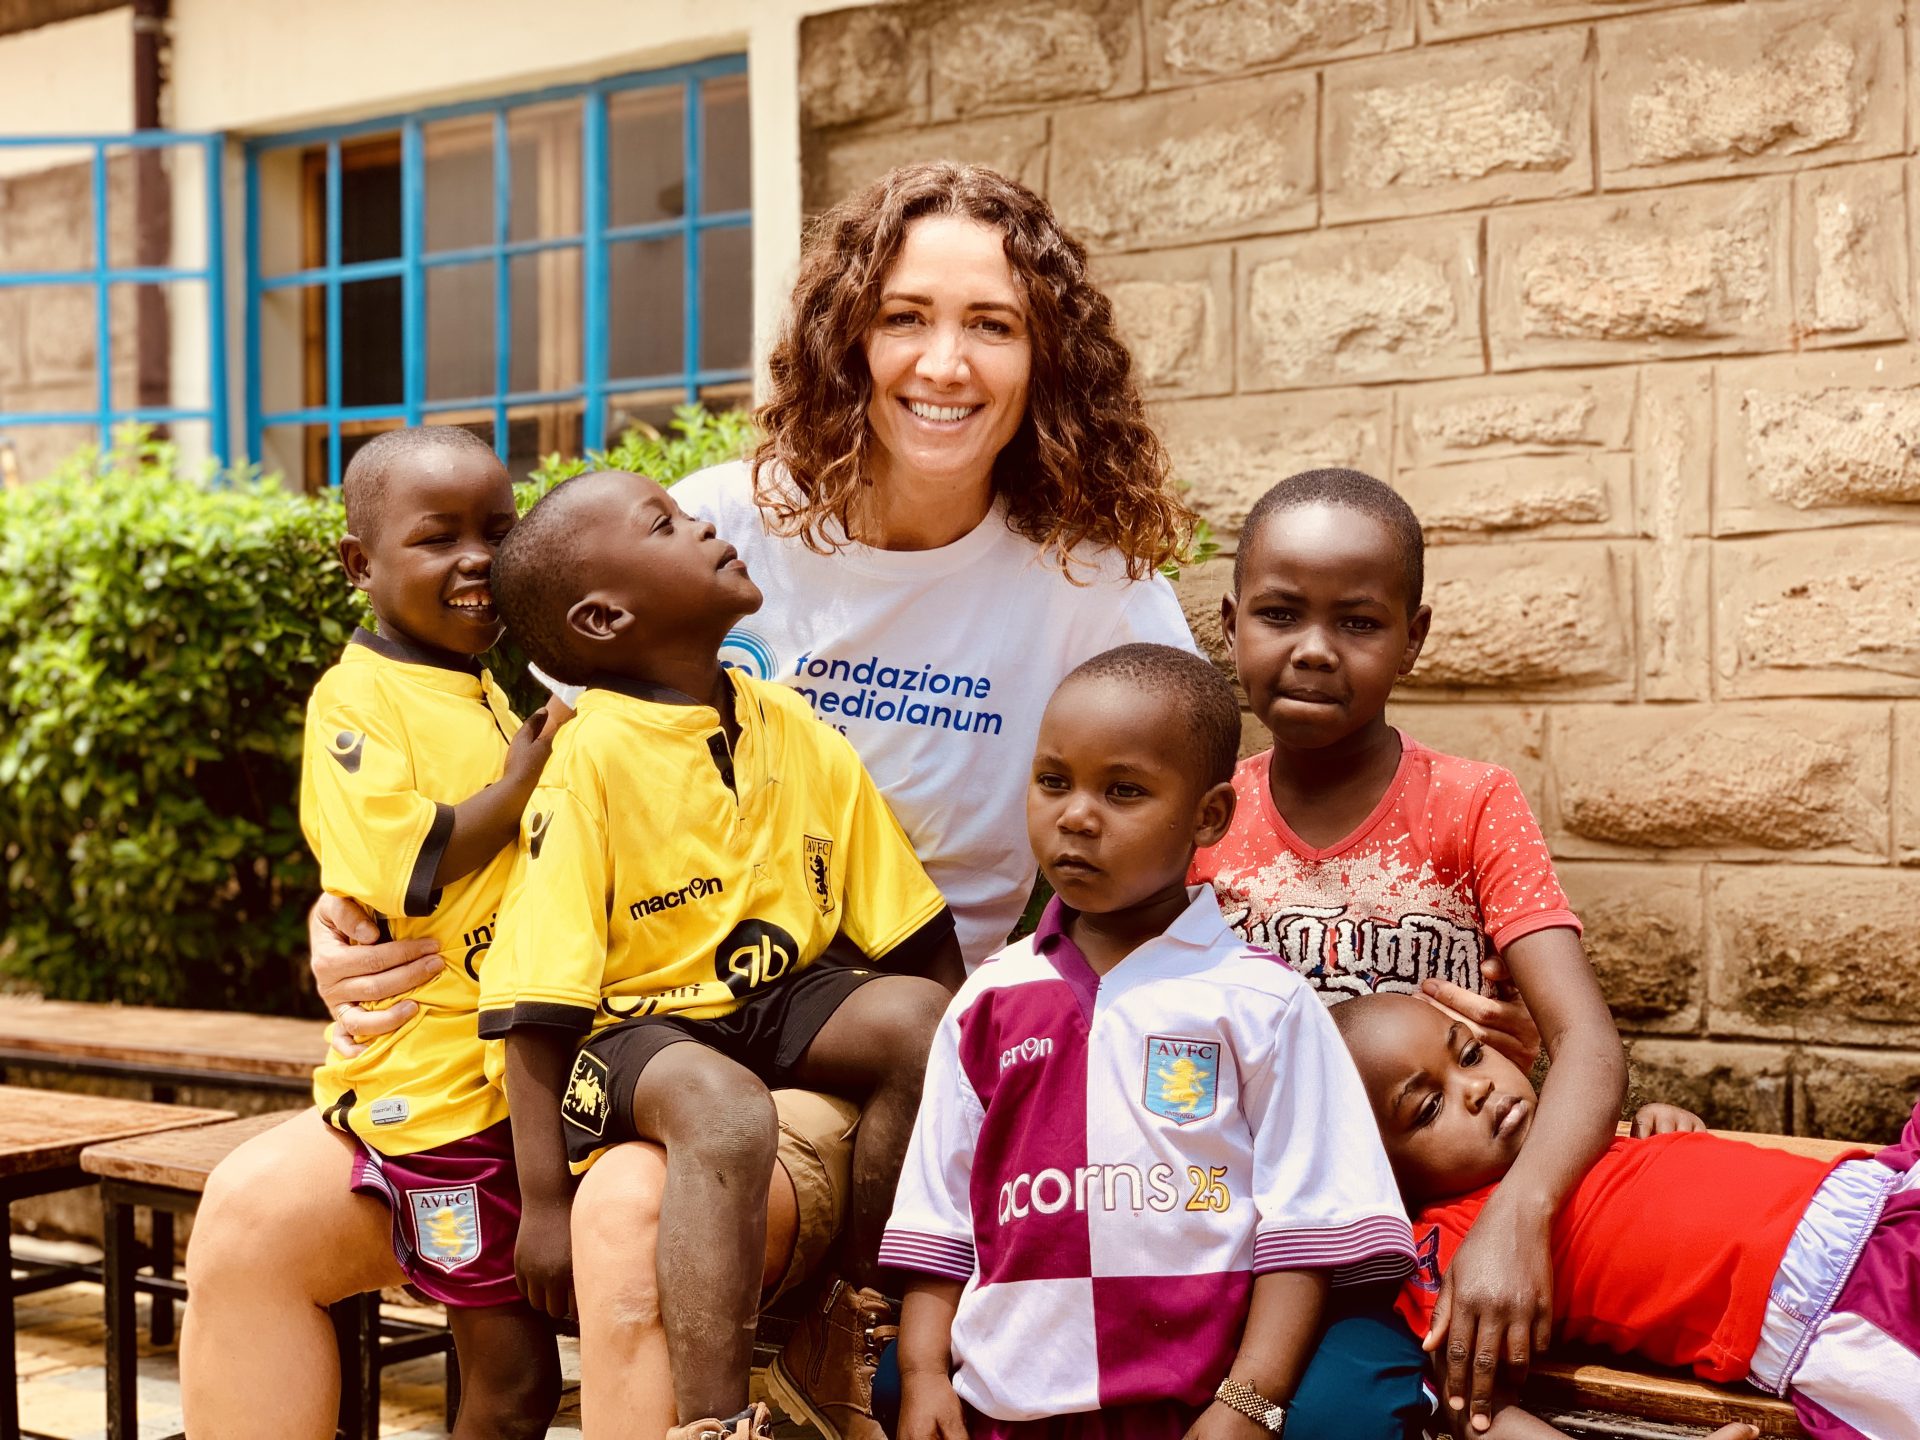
[532,743]
[1665,1120]
[543,1258]
[929,1408]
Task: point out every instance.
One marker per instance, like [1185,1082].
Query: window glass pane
[292,360]
[460,331]
[157,206]
[726,299]
[726,174]
[547,343]
[58,342]
[286,449]
[370,200]
[459,188]
[644,409]
[543,142]
[289,211]
[734,395]
[49,208]
[370,359]
[159,345]
[646,147]
[645,283]
[537,430]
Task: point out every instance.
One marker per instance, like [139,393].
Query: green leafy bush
[158,637]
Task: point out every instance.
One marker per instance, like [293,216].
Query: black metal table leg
[160,1321]
[356,1323]
[10,1400]
[123,1337]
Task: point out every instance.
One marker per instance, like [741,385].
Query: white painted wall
[75,77]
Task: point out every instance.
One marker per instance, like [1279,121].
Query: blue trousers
[1363,1382]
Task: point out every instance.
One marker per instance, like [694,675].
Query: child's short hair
[1352,490]
[364,486]
[1198,690]
[531,587]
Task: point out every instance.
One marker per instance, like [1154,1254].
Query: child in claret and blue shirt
[1371,863]
[1141,1159]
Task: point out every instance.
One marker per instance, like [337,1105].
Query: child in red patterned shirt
[1798,1274]
[1368,862]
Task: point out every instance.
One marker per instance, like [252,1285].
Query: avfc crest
[537,833]
[586,1103]
[820,872]
[346,749]
[446,1225]
[1182,1079]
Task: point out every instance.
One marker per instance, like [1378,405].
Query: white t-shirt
[936,664]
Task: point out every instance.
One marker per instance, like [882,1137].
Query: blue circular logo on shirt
[744,650]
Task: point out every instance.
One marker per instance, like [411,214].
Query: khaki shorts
[816,1147]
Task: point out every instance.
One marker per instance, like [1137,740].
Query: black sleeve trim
[914,954]
[423,896]
[574,1019]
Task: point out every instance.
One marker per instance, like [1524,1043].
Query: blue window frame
[552,253]
[103,276]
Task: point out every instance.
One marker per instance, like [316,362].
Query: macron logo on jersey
[1031,1048]
[697,888]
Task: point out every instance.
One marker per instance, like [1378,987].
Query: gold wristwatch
[1269,1415]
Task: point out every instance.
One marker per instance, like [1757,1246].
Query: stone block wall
[1621,295]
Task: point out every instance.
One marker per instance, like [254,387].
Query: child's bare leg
[628,1382]
[875,1047]
[721,1134]
[509,1372]
[279,1237]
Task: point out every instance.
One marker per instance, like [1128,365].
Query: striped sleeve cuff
[940,1255]
[1379,1247]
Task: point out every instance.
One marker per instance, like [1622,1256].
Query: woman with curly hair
[957,500]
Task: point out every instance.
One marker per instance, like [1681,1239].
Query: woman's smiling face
[950,354]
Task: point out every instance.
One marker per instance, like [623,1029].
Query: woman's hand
[351,967]
[1664,1120]
[1495,1310]
[929,1408]
[1503,1017]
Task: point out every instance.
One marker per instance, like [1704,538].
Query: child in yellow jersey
[697,841]
[415,774]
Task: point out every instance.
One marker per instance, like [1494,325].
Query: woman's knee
[616,1228]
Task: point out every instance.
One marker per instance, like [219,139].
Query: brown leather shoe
[824,1376]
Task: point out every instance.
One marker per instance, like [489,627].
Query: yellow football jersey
[660,874]
[395,739]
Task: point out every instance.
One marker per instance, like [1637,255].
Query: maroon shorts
[456,1214]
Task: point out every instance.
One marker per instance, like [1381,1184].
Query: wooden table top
[177,1159]
[219,1041]
[47,1129]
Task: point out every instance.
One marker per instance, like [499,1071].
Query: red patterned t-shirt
[1449,867]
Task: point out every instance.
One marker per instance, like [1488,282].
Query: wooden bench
[162,1048]
[42,1136]
[167,1174]
[1588,1393]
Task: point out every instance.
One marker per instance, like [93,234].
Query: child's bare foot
[754,1423]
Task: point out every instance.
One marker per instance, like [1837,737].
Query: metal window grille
[103,275]
[596,234]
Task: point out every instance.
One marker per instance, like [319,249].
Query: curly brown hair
[1084,468]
